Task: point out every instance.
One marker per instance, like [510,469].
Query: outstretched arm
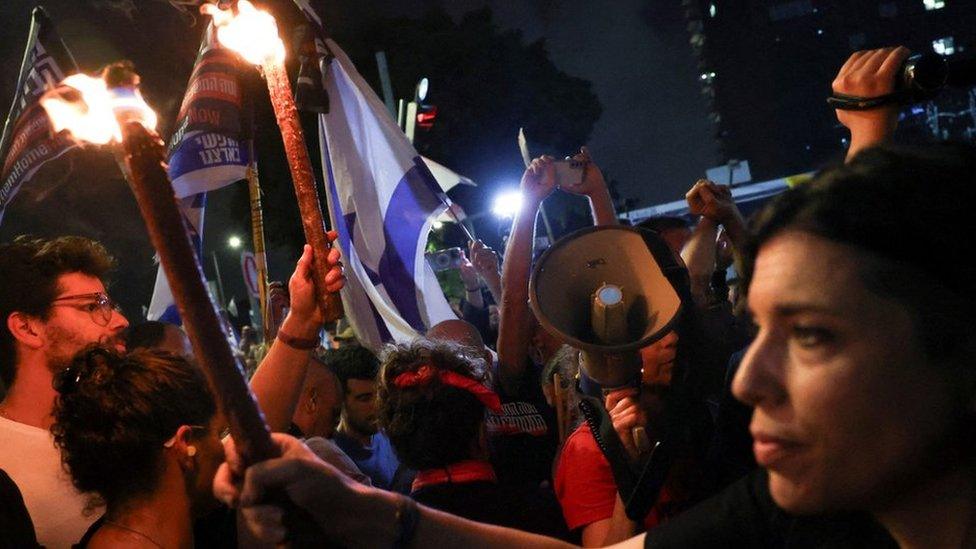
[277,383]
[538,181]
[350,514]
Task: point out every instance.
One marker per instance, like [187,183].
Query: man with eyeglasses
[53,303]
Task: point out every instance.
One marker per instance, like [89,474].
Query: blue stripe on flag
[344,226]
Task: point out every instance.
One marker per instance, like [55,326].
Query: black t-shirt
[522,439]
[16,528]
[217,529]
[745,515]
[521,507]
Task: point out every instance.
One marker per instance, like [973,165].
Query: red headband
[426,373]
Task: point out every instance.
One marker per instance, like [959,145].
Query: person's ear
[26,329]
[183,447]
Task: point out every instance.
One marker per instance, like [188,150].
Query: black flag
[28,141]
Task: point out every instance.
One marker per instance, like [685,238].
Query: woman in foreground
[138,432]
[862,376]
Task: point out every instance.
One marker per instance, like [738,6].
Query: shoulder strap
[638,488]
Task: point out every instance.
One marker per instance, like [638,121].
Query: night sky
[653,137]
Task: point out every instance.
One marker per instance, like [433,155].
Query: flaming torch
[253,34]
[94,113]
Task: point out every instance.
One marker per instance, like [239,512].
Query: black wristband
[300,343]
[855,103]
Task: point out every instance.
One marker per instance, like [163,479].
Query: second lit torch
[254,35]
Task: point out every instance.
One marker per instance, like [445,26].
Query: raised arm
[472,283]
[485,261]
[538,181]
[868,74]
[277,383]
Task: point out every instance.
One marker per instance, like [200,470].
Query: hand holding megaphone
[629,420]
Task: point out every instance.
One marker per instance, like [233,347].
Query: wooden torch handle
[305,189]
[143,155]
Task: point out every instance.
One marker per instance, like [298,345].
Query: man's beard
[365,427]
[65,345]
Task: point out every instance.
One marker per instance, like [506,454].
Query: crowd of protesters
[825,397]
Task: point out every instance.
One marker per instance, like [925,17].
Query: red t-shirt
[585,486]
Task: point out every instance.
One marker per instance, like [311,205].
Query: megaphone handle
[641,441]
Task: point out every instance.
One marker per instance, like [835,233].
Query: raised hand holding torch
[253,34]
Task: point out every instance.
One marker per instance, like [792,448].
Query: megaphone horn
[604,291]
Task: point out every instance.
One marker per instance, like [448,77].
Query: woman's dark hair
[910,212]
[114,412]
[145,335]
[432,425]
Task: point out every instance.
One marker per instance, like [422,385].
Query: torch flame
[96,116]
[252,33]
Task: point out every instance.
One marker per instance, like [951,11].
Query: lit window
[934,4]
[944,46]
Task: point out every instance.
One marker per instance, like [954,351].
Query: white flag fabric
[163,306]
[382,200]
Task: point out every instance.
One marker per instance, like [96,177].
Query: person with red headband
[433,397]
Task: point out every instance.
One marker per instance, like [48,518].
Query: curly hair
[29,272]
[114,412]
[433,425]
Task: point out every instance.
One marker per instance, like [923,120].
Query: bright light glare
[422,88]
[234,242]
[507,204]
[252,33]
[437,225]
[944,46]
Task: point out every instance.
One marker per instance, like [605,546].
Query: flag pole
[257,235]
[467,232]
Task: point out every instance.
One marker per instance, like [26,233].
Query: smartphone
[569,173]
[443,260]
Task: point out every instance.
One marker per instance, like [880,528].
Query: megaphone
[607,291]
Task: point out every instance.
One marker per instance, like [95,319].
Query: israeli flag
[382,200]
[209,149]
[163,305]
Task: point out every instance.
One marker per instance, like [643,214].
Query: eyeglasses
[172,441]
[101,307]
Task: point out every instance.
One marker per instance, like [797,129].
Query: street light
[408,111]
[234,242]
[421,92]
[507,204]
